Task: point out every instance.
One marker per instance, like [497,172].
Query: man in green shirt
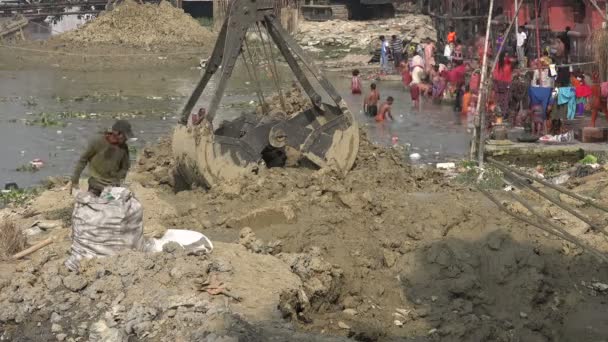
[107,157]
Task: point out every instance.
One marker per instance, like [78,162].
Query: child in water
[370,104]
[355,83]
[385,110]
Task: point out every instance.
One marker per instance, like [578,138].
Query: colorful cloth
[580,106]
[414,92]
[567,95]
[583,90]
[540,96]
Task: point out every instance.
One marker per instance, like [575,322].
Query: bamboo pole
[515,6]
[501,207]
[594,3]
[550,185]
[485,88]
[480,122]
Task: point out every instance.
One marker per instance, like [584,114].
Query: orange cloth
[466,100]
[452,37]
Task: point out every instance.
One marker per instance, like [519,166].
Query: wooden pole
[480,122]
[32,249]
[489,85]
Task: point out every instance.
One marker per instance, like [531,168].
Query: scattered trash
[215,287]
[395,140]
[560,179]
[415,156]
[187,239]
[523,315]
[37,163]
[59,132]
[398,323]
[446,166]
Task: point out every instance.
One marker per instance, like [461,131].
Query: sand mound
[145,25]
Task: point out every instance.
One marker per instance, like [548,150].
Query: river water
[90,99]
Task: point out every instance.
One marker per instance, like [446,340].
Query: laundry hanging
[567,95]
[540,96]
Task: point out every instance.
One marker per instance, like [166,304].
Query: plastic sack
[188,239]
[105,225]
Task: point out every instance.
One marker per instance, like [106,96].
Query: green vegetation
[18,196]
[27,168]
[46,120]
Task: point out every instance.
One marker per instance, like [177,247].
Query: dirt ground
[391,251]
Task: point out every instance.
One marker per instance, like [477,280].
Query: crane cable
[272,67]
[253,75]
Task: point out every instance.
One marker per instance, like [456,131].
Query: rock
[398,323]
[351,312]
[495,241]
[172,247]
[61,337]
[55,317]
[600,287]
[390,258]
[100,332]
[343,325]
[56,328]
[75,282]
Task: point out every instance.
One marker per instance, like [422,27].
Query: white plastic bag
[188,239]
[105,225]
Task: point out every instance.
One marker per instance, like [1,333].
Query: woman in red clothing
[502,77]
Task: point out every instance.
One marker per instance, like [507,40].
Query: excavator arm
[326,134]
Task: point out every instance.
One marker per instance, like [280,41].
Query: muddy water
[434,131]
[155,98]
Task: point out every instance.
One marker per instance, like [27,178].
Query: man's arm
[125,164]
[83,161]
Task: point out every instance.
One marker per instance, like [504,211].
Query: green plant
[589,159]
[27,168]
[18,196]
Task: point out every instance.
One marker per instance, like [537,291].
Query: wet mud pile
[135,25]
[387,252]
